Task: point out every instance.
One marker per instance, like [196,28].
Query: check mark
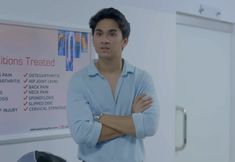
[25,80]
[26,108]
[25,103]
[25,91]
[25,97]
[25,75]
[25,86]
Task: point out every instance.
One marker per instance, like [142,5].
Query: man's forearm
[123,124]
[108,133]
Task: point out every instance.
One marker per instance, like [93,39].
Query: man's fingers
[146,104]
[141,103]
[140,97]
[146,100]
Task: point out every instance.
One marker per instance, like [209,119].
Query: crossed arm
[116,126]
[140,123]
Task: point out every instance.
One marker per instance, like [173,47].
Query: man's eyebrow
[111,30]
[98,30]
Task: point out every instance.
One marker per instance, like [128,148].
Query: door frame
[202,22]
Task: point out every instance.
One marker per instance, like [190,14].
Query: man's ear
[125,42]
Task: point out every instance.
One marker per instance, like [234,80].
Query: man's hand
[141,103]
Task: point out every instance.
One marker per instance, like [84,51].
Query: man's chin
[104,55]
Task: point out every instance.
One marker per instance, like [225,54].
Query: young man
[112,105]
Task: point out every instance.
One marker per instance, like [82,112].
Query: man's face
[108,39]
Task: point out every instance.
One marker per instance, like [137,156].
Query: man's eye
[98,34]
[113,34]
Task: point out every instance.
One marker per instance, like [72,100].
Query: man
[112,105]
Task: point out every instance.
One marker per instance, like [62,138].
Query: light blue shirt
[89,94]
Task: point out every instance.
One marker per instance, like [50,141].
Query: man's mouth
[104,48]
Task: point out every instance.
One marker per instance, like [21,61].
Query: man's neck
[109,66]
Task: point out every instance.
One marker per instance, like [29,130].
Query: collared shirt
[89,94]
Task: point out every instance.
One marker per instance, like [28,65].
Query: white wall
[159,5]
[232,148]
[151,46]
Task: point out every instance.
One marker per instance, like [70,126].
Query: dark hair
[111,13]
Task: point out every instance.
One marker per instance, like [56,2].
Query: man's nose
[105,39]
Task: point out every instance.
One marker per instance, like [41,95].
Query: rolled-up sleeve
[83,128]
[146,123]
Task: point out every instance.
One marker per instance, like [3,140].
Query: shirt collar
[127,68]
[92,70]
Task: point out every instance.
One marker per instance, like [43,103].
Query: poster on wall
[36,64]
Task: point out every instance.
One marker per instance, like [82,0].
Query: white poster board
[36,64]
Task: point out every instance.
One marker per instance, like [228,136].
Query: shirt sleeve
[83,128]
[146,123]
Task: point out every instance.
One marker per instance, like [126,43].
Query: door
[203,94]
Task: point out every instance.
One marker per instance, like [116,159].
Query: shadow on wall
[40,156]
